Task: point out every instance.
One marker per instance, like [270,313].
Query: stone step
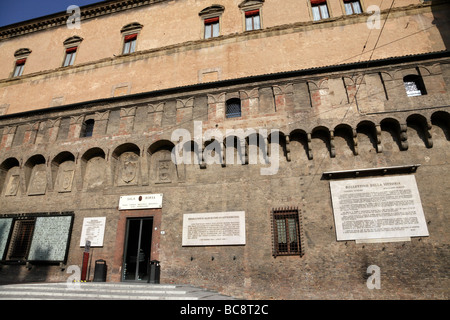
[105,291]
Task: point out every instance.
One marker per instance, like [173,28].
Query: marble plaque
[50,238]
[214,229]
[377,208]
[94,231]
[143,201]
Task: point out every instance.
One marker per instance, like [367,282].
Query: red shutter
[315,2]
[131,37]
[70,50]
[251,13]
[211,20]
[20,62]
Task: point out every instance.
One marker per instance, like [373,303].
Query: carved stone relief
[65,176]
[12,185]
[128,169]
[38,180]
[163,169]
[95,173]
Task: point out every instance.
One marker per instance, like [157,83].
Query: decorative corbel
[403,136]
[332,145]
[308,145]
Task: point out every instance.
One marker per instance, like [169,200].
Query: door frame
[125,247]
[116,273]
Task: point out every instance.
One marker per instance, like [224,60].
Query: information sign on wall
[214,229]
[143,201]
[377,208]
[93,231]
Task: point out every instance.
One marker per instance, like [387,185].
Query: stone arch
[213,152]
[422,127]
[346,139]
[283,145]
[300,143]
[63,171]
[368,137]
[441,119]
[94,169]
[235,149]
[392,127]
[323,134]
[9,177]
[163,166]
[35,170]
[258,148]
[126,165]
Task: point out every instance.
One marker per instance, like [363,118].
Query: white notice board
[94,231]
[377,208]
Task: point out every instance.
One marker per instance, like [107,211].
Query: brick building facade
[105,122]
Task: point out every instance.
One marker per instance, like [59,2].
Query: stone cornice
[59,19]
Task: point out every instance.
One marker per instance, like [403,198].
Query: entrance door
[138,243]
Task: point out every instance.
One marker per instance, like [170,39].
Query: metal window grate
[286,232]
[23,232]
[233,108]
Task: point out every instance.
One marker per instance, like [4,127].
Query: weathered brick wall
[338,135]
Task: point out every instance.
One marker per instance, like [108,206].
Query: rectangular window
[21,239]
[211,27]
[352,7]
[286,232]
[70,56]
[319,9]
[252,20]
[130,43]
[18,69]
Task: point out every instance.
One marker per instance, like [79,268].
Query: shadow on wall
[441,13]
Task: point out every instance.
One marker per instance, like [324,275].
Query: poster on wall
[214,229]
[94,231]
[377,208]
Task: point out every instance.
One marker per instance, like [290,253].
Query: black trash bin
[155,270]
[100,271]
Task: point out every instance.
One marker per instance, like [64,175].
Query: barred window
[414,85]
[21,238]
[233,108]
[286,232]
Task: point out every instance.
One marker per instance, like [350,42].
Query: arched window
[130,34]
[21,56]
[233,108]
[414,85]
[211,20]
[71,46]
[87,129]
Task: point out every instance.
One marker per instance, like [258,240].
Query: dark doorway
[138,243]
